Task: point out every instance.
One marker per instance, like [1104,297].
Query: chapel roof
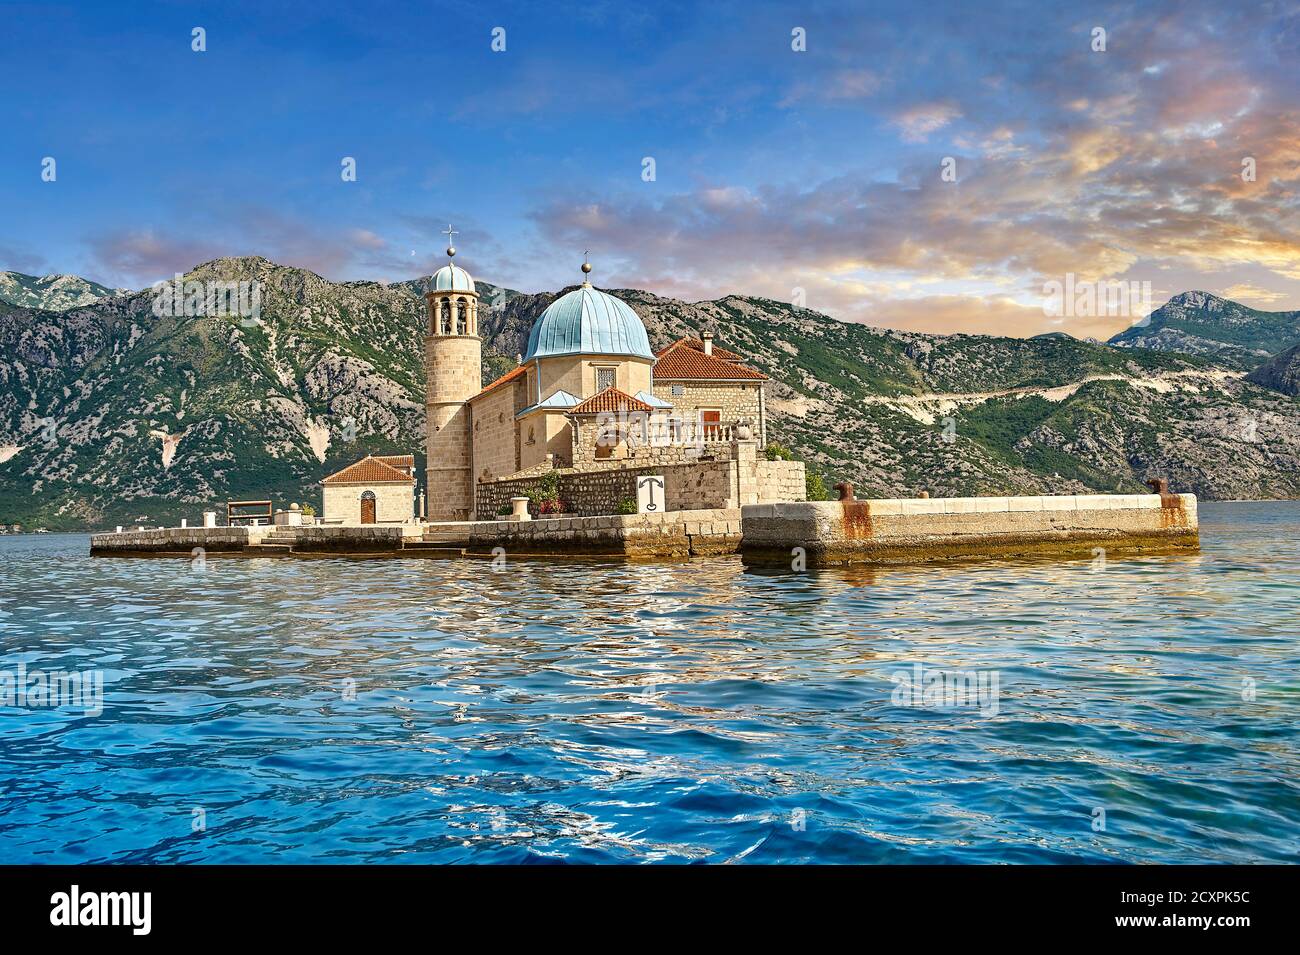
[610,399]
[370,470]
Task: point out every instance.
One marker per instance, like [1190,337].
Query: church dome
[588,321]
[452,278]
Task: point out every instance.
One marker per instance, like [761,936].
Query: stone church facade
[589,395]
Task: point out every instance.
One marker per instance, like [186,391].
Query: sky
[929,166]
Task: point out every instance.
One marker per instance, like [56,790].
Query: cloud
[138,257]
[16,259]
[917,122]
[1253,295]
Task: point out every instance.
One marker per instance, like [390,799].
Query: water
[596,712]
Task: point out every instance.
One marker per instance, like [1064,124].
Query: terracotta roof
[397,460]
[680,361]
[699,346]
[369,470]
[511,375]
[611,399]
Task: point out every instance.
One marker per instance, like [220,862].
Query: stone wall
[677,534]
[780,481]
[177,540]
[495,432]
[911,530]
[588,493]
[632,454]
[739,478]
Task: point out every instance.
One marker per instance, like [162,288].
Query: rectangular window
[712,421]
[679,390]
[604,378]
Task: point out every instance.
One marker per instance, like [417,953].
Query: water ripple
[431,710]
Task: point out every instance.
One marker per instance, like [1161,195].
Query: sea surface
[433,710]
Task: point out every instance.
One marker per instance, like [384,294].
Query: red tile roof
[397,460]
[681,361]
[369,470]
[611,399]
[511,375]
[698,345]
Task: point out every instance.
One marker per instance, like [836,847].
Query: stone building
[589,394]
[378,489]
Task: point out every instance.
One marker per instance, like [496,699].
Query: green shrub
[815,486]
[778,452]
[627,506]
[546,489]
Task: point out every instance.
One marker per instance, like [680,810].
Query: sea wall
[925,529]
[177,540]
[675,534]
[360,539]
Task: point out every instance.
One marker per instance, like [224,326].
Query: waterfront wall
[912,530]
[693,533]
[177,540]
[742,477]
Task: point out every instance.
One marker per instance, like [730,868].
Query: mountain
[54,293]
[110,414]
[1281,372]
[1198,323]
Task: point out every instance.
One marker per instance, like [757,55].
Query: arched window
[444,317]
[368,507]
[462,315]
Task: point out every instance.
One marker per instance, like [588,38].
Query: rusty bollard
[846,491]
[923,493]
[1159,486]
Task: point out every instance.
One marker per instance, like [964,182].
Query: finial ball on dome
[586,268]
[451,250]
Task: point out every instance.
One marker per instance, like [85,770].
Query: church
[589,394]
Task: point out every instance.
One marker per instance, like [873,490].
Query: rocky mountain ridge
[112,414]
[54,293]
[1199,323]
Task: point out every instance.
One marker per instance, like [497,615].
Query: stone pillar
[209,518]
[744,466]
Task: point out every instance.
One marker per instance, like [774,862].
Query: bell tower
[453,369]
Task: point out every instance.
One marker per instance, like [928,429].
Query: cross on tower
[449,232]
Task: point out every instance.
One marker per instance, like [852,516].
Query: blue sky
[776,170]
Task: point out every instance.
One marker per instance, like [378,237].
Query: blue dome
[588,321]
[452,278]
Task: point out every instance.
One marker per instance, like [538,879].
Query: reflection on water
[433,710]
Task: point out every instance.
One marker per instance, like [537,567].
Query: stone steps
[269,549]
[435,547]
